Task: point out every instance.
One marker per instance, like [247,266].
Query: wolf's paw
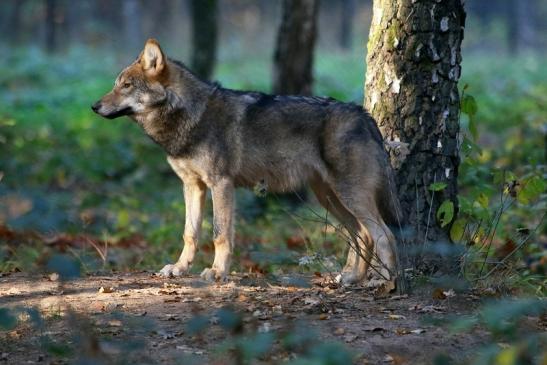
[381,285]
[375,282]
[211,274]
[347,278]
[173,270]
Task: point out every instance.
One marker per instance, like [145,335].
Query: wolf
[220,139]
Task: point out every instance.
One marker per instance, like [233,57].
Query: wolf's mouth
[119,113]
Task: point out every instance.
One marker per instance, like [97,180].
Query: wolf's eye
[126,85]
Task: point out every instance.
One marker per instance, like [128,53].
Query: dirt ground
[141,318]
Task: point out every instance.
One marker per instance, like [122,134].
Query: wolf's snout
[95,107]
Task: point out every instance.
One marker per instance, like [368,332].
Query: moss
[374,38]
[381,80]
[393,33]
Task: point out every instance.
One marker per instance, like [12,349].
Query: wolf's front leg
[194,198]
[223,229]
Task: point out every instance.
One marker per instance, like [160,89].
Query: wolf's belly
[276,176]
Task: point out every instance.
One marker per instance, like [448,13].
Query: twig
[519,246]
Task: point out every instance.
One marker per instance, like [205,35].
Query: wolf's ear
[152,58]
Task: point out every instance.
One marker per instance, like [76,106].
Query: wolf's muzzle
[95,107]
[111,114]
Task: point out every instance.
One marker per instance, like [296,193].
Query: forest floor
[142,318]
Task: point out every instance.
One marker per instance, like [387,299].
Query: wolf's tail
[388,202]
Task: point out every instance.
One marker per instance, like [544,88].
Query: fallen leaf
[373,329]
[350,338]
[449,293]
[438,293]
[339,331]
[311,301]
[396,316]
[115,323]
[106,290]
[171,317]
[172,300]
[53,276]
[265,327]
[242,298]
[418,331]
[167,292]
[323,316]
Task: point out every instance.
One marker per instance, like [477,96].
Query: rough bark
[293,57]
[204,36]
[413,67]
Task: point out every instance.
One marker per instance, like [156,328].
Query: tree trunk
[12,26]
[346,24]
[413,66]
[293,58]
[520,25]
[51,26]
[131,12]
[204,36]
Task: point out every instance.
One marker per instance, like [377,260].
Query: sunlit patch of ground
[141,318]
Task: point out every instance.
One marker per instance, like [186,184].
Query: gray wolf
[221,139]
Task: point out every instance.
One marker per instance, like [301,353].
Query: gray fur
[220,139]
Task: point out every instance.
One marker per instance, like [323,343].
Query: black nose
[96,106]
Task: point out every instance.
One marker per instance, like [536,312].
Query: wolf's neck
[172,125]
[190,94]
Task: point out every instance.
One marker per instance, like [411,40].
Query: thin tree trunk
[413,67]
[293,58]
[346,23]
[132,15]
[520,25]
[13,23]
[51,26]
[204,36]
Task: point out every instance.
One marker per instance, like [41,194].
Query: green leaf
[228,319]
[457,230]
[257,345]
[463,323]
[7,319]
[503,176]
[66,266]
[197,324]
[438,186]
[123,219]
[483,200]
[531,189]
[445,213]
[469,147]
[469,105]
[473,128]
[465,205]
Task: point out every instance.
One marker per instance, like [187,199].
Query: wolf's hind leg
[223,229]
[358,237]
[194,198]
[378,238]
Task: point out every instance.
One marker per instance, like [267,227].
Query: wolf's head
[139,87]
